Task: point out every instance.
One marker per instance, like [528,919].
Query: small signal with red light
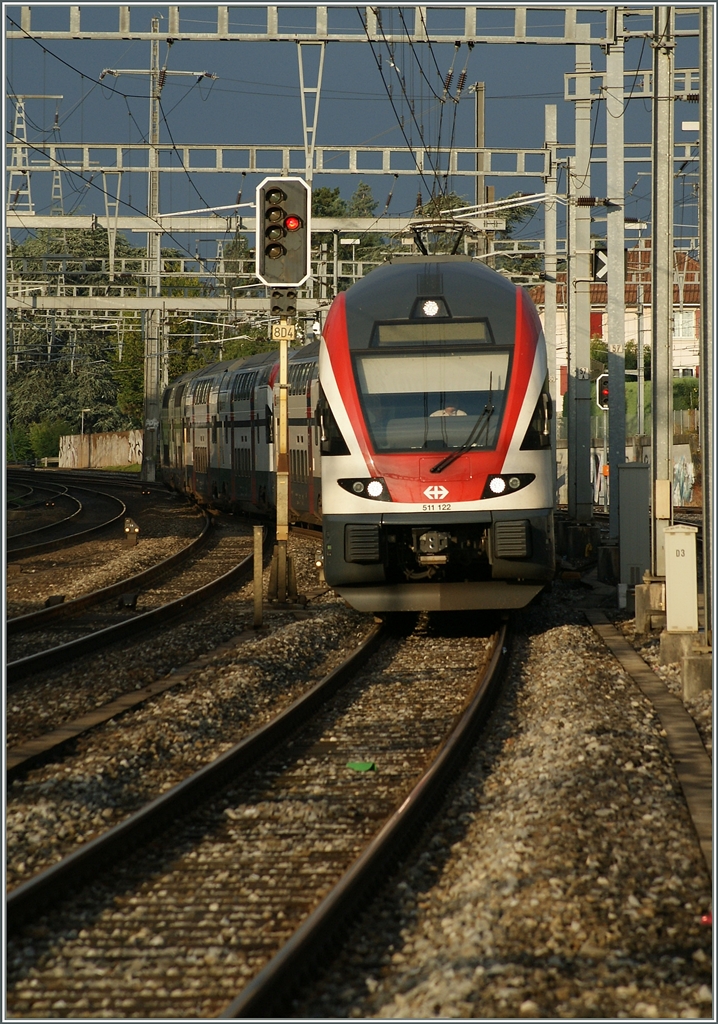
[602,391]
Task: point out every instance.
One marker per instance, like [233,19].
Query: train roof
[213,370]
[465,288]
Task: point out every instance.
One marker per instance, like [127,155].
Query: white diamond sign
[436,492]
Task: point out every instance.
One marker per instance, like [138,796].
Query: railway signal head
[283,231]
[602,391]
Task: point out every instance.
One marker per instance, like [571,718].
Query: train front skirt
[438,597]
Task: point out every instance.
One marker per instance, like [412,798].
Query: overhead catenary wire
[123,202]
[391,100]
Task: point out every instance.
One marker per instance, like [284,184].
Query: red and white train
[419,435]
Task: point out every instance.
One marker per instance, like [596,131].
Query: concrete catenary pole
[707,241]
[550,259]
[615,233]
[662,284]
[150,445]
[580,496]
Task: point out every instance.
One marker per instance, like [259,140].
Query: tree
[362,203]
[327,202]
[45,437]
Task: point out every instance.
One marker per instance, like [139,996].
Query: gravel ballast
[563,877]
[119,766]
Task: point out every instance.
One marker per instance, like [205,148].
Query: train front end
[434,419]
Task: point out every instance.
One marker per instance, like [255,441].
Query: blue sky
[256,100]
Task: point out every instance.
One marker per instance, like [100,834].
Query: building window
[684,323]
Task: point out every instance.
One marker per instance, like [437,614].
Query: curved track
[35,620]
[127,628]
[92,511]
[287,835]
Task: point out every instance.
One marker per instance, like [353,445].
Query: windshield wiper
[473,436]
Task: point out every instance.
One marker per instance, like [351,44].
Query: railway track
[88,512]
[32,751]
[201,575]
[65,609]
[252,849]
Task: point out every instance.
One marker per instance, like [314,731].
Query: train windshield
[432,400]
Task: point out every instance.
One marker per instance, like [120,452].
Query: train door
[263,424]
[224,451]
[176,414]
[315,466]
[201,438]
[299,439]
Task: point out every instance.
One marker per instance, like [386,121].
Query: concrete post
[707,241]
[550,261]
[579,403]
[258,532]
[662,284]
[616,306]
[150,445]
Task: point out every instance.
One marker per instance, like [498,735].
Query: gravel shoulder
[562,878]
[700,707]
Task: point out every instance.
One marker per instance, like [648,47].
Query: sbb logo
[436,492]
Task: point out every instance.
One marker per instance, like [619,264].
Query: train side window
[538,434]
[331,441]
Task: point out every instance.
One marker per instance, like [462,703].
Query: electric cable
[123,202]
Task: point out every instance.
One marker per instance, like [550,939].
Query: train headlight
[370,487]
[497,484]
[430,308]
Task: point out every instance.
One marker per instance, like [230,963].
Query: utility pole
[707,241]
[155,358]
[150,444]
[580,496]
[550,261]
[615,235]
[479,91]
[19,196]
[662,285]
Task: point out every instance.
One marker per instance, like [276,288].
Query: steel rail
[269,993]
[54,489]
[95,476]
[73,538]
[17,670]
[58,522]
[27,490]
[39,894]
[33,620]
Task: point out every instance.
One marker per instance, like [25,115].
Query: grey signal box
[283,238]
[634,521]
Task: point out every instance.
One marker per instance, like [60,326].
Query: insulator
[447,81]
[586,201]
[462,82]
[692,97]
[163,76]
